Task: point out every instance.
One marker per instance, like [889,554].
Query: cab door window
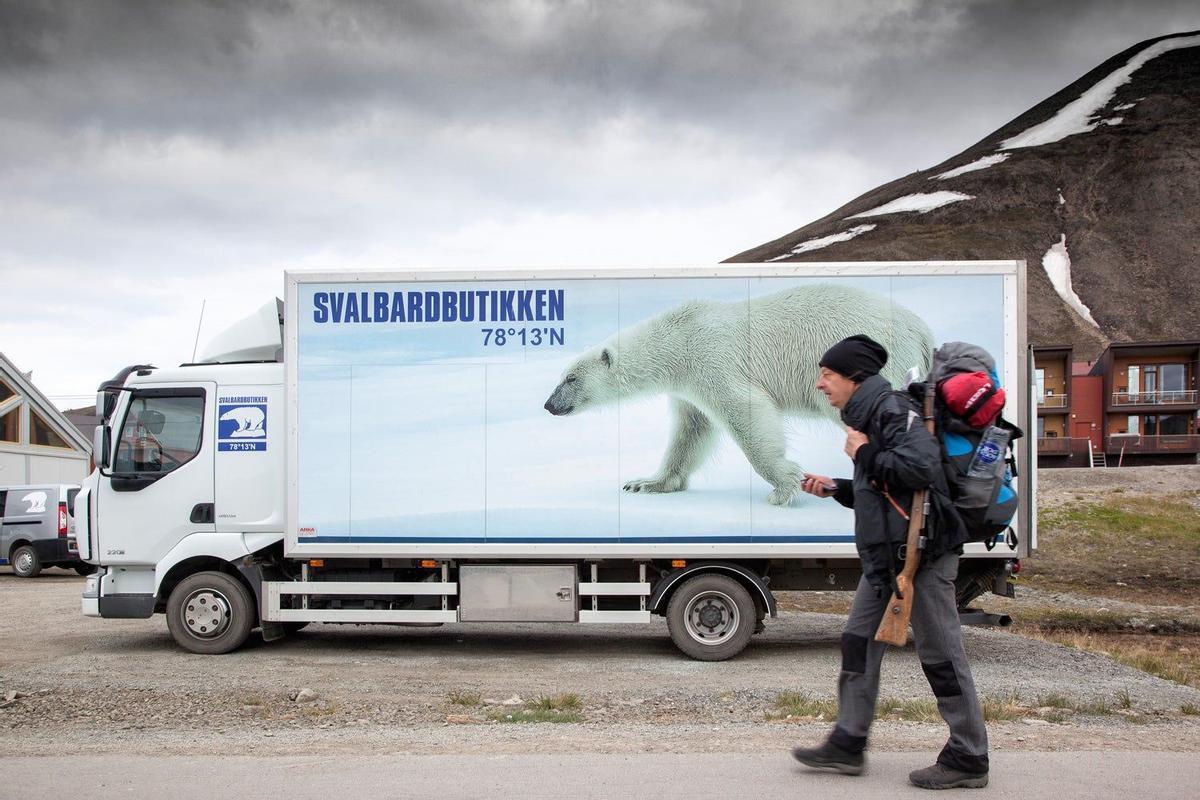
[162,432]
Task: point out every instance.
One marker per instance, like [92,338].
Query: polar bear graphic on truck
[249,419]
[740,367]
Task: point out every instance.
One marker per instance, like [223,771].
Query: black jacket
[899,457]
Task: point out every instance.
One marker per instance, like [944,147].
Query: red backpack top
[973,397]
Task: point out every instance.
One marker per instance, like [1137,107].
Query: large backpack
[976,441]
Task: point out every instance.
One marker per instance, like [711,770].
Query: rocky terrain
[1112,204]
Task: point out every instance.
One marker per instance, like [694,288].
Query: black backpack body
[977,460]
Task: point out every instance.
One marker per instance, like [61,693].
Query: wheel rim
[206,613]
[712,618]
[23,562]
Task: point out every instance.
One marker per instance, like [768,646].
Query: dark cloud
[995,61]
[146,146]
[782,74]
[26,33]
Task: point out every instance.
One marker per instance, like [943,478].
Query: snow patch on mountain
[825,241]
[977,164]
[922,202]
[1057,263]
[1076,116]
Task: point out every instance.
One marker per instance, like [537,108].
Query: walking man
[894,455]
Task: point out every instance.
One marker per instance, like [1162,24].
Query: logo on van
[37,502]
[242,424]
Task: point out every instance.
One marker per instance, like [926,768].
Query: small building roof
[41,404]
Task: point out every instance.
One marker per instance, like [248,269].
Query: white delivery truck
[600,446]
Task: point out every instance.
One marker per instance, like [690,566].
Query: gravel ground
[1059,486]
[123,686]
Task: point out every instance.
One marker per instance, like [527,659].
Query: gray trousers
[938,638]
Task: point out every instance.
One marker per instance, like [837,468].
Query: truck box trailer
[585,446]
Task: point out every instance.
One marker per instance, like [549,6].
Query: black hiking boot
[831,758]
[939,776]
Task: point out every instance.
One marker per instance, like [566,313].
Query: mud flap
[272,631]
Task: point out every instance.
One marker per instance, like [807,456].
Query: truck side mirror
[101,443]
[105,402]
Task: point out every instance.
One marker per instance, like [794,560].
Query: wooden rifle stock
[893,628]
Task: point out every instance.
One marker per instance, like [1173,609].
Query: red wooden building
[1136,404]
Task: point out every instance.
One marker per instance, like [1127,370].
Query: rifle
[893,628]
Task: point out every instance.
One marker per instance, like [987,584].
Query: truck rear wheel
[711,617]
[210,613]
[25,562]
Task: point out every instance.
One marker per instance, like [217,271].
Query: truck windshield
[161,433]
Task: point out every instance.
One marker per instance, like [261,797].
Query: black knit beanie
[856,357]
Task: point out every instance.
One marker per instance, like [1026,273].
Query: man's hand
[819,485]
[854,440]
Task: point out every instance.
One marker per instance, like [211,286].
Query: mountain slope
[1097,187]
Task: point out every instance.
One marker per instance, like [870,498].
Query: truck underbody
[712,607]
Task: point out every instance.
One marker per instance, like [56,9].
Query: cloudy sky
[155,156]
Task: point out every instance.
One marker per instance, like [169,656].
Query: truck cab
[191,477]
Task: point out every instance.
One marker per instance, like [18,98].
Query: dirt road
[1028,776]
[122,686]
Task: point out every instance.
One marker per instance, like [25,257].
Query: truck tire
[210,613]
[84,569]
[25,562]
[711,617]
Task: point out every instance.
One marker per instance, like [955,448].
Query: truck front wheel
[210,613]
[711,617]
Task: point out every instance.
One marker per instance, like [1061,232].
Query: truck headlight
[91,585]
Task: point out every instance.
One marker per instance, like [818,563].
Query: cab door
[160,487]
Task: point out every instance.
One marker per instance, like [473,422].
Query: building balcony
[1053,401]
[1060,445]
[1136,443]
[1179,397]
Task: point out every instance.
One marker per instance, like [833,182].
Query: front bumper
[118,605]
[90,599]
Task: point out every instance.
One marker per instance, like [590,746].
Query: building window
[1173,379]
[10,425]
[1167,425]
[1040,377]
[1155,383]
[6,392]
[42,434]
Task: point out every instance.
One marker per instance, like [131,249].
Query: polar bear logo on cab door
[250,421]
[740,367]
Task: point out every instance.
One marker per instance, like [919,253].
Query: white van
[38,529]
